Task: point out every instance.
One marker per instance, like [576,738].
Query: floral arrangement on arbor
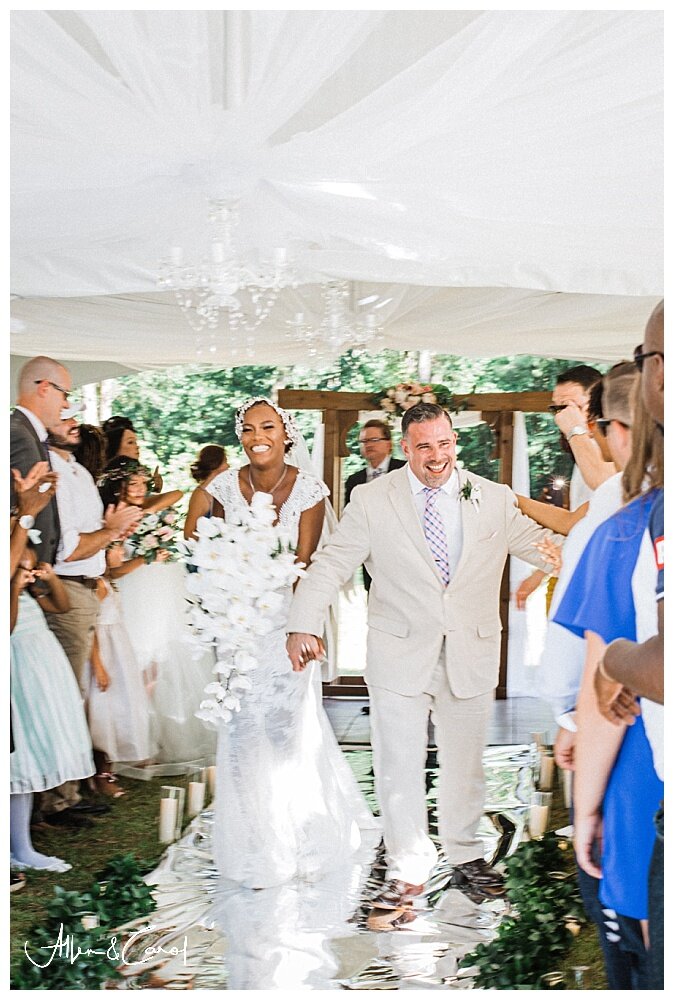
[401,397]
[237,597]
[155,532]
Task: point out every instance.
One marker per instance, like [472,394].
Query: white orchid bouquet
[155,532]
[243,566]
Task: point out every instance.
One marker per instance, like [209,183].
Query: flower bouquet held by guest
[287,803]
[152,592]
[51,739]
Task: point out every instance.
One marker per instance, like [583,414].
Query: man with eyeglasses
[375,447]
[44,386]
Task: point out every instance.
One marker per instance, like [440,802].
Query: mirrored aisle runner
[210,934]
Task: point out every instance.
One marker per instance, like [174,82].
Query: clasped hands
[303,648]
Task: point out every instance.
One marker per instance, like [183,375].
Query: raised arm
[558,519]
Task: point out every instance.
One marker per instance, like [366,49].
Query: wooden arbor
[340,412]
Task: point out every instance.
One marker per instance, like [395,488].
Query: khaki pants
[399,731]
[74,629]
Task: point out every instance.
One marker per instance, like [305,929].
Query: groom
[434,539]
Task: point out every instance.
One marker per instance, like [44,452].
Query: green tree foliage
[178,410]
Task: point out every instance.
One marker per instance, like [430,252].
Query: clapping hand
[157,481]
[303,649]
[44,571]
[122,519]
[35,490]
[552,552]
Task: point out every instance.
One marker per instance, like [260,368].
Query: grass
[131,825]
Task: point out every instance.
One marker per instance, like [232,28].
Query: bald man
[44,387]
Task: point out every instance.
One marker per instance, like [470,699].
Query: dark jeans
[656,906]
[620,939]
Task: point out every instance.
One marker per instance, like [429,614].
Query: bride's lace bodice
[307,491]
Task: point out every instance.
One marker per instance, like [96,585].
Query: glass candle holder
[539,814]
[196,791]
[171,806]
[546,775]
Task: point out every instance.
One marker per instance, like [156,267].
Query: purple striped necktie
[434,530]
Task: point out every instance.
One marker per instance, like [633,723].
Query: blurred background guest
[209,463]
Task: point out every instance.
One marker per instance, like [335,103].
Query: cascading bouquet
[155,532]
[243,565]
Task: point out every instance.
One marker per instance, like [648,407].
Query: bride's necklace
[274,487]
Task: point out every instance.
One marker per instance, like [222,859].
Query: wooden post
[505,454]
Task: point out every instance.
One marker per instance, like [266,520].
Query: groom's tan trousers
[399,734]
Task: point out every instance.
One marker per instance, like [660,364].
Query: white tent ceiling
[495,178]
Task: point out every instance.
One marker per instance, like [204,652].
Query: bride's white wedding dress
[287,803]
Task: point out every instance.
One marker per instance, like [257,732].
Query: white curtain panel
[465,166]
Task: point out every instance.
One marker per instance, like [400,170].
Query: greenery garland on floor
[547,911]
[65,955]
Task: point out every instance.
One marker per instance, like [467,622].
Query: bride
[287,803]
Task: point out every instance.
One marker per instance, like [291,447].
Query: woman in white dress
[154,613]
[287,803]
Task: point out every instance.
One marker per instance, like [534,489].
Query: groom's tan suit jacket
[410,611]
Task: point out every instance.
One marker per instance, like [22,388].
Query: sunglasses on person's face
[557,407]
[604,422]
[640,356]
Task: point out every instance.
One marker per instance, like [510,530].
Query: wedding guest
[118,708]
[376,446]
[570,399]
[210,462]
[51,739]
[636,668]
[563,657]
[122,442]
[616,789]
[91,450]
[86,531]
[44,387]
[154,609]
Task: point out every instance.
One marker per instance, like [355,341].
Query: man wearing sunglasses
[375,447]
[570,399]
[44,386]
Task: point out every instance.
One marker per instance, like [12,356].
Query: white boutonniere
[471,491]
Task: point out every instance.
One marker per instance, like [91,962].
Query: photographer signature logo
[65,947]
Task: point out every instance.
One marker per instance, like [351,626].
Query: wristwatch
[27,521]
[578,429]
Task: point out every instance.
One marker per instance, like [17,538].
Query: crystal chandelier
[340,329]
[226,282]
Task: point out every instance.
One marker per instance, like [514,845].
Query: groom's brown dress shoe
[397,895]
[478,876]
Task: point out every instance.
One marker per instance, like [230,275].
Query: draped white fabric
[468,166]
